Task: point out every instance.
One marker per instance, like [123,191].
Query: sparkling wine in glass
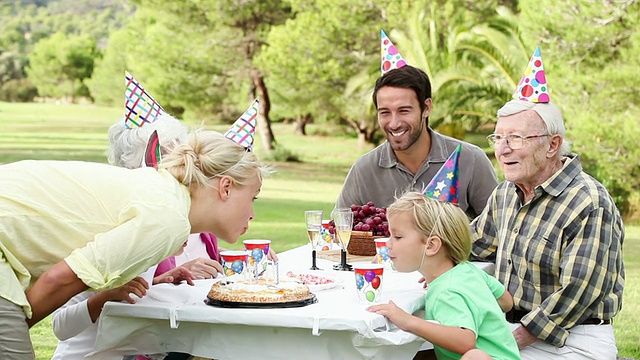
[313,219]
[343,221]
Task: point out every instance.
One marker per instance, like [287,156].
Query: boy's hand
[392,312]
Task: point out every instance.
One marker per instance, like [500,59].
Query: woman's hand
[203,268]
[272,255]
[423,280]
[175,276]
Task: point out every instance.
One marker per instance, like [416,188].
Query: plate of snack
[239,292]
[315,280]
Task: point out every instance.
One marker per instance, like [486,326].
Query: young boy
[464,319]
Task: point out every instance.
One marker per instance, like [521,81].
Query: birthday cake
[239,290]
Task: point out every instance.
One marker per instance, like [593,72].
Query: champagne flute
[313,218]
[343,221]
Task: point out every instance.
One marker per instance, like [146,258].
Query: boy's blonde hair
[437,218]
[207,155]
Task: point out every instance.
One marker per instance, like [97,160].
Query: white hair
[548,112]
[127,145]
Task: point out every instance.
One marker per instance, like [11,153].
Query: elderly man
[555,236]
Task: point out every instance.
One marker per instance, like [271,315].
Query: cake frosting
[238,289]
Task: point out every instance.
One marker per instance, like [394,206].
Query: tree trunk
[366,133]
[362,139]
[299,126]
[264,124]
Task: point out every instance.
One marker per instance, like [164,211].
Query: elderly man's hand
[524,337]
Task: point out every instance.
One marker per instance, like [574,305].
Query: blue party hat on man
[444,185]
[243,130]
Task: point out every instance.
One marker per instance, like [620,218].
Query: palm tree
[474,69]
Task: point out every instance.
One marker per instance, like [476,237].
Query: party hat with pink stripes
[243,130]
[139,107]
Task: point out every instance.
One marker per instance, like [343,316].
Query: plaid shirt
[559,255]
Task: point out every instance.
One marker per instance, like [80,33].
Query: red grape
[368,217]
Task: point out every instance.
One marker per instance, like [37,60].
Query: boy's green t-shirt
[465,297]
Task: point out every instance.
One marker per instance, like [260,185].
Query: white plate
[334,280]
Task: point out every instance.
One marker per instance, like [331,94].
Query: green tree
[591,52]
[60,64]
[310,59]
[473,65]
[185,74]
[241,26]
[24,23]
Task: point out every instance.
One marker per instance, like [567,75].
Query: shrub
[18,90]
[281,154]
[609,153]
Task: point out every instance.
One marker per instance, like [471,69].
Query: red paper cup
[382,253]
[258,250]
[369,282]
[234,262]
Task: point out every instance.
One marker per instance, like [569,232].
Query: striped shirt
[560,254]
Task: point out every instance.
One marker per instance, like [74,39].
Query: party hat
[243,130]
[390,57]
[533,84]
[444,185]
[152,154]
[139,107]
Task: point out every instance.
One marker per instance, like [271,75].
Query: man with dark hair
[413,152]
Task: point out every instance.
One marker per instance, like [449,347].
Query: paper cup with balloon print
[382,253]
[327,239]
[258,250]
[368,282]
[234,262]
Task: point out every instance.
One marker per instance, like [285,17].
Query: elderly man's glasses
[513,141]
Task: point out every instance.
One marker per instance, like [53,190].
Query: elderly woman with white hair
[555,236]
[127,145]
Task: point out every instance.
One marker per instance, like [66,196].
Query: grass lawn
[49,131]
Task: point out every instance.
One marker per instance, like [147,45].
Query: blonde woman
[464,320]
[126,149]
[68,226]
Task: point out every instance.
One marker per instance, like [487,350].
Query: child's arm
[137,286]
[505,301]
[72,318]
[84,309]
[455,339]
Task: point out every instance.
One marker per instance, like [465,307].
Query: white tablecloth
[175,318]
